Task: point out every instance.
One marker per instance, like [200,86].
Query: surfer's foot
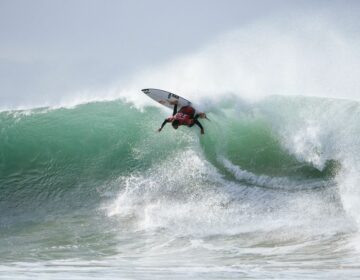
[202,115]
[173,102]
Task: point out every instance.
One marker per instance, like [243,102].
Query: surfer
[185,116]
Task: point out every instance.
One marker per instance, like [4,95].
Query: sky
[51,49]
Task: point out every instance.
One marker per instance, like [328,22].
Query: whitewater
[90,189]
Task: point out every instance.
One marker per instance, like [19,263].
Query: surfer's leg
[198,124]
[175,109]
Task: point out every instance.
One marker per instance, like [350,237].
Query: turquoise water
[94,191]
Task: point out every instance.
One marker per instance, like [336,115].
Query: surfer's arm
[163,124]
[175,109]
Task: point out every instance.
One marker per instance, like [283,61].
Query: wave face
[98,181]
[51,153]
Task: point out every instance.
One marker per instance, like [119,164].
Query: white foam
[318,130]
[268,181]
[186,196]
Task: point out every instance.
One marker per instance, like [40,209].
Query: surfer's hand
[159,129]
[202,131]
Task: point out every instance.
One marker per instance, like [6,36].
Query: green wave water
[47,152]
[97,182]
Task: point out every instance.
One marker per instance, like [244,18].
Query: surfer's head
[175,124]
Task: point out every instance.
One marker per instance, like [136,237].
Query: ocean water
[95,192]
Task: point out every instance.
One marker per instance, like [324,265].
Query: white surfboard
[166,98]
[169,99]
